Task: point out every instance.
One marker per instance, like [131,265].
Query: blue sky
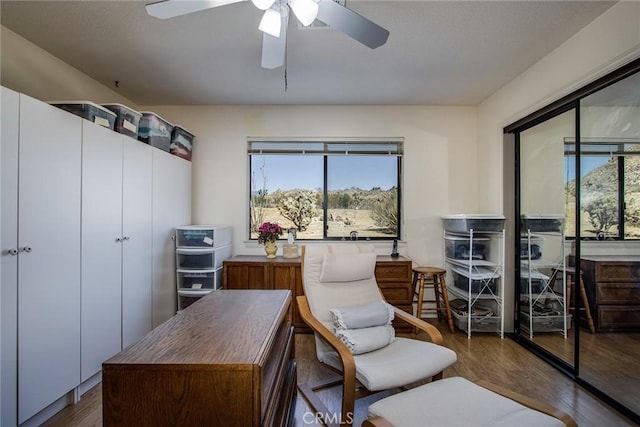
[587,164]
[291,171]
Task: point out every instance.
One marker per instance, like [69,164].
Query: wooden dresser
[613,288]
[258,272]
[228,359]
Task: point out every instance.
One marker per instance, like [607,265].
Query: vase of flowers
[268,233]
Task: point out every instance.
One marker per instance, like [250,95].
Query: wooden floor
[484,356]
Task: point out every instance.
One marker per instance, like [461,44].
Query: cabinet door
[49,274]
[171,208]
[101,246]
[136,248]
[9,127]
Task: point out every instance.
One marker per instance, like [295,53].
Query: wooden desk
[613,288]
[258,272]
[228,359]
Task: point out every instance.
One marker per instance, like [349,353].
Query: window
[326,189]
[609,188]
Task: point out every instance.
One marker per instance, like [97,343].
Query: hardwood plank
[484,356]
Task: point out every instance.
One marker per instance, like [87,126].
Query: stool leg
[435,278]
[445,296]
[420,297]
[585,302]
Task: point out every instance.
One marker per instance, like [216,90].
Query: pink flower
[269,231]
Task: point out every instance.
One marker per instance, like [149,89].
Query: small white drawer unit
[200,251]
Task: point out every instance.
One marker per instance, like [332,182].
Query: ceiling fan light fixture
[263,4]
[305,10]
[271,23]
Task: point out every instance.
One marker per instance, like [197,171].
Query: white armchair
[343,276]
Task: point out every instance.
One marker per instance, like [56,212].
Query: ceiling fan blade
[171,8]
[352,24]
[274,49]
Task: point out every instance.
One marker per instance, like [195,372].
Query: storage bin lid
[543,216]
[99,107]
[123,107]
[473,216]
[202,227]
[151,113]
[178,127]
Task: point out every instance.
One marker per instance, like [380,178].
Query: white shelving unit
[474,256]
[200,251]
[542,275]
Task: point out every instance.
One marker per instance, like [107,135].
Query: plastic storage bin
[538,281]
[482,280]
[199,279]
[201,258]
[155,131]
[535,248]
[89,111]
[181,142]
[457,247]
[186,297]
[542,223]
[127,119]
[550,323]
[463,223]
[203,236]
[478,323]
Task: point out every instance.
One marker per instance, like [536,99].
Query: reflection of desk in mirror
[613,288]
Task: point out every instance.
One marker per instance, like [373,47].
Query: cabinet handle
[118,239]
[125,238]
[26,249]
[12,251]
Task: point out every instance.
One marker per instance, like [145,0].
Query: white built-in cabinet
[116,244]
[88,261]
[171,207]
[40,255]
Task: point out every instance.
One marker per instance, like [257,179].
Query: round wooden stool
[432,276]
[571,281]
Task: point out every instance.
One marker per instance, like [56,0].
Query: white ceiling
[438,52]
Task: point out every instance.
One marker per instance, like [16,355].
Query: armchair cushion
[347,268]
[365,340]
[376,313]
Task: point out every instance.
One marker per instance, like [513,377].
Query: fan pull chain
[285,78]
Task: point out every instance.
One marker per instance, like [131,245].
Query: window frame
[382,146]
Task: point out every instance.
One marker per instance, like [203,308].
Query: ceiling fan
[276,18]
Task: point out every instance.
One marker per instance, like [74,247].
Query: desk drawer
[396,293]
[273,371]
[393,272]
[618,272]
[618,293]
[618,317]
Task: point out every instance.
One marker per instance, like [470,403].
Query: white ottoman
[458,402]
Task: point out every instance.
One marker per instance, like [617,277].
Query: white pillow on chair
[347,268]
[376,313]
[364,340]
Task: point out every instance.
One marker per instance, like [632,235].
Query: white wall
[453,160]
[28,69]
[439,161]
[610,41]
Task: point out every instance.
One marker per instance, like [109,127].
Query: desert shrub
[299,208]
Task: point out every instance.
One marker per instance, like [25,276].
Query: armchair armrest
[346,357]
[432,331]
